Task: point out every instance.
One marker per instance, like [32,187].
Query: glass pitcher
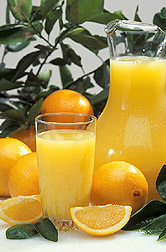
[132,126]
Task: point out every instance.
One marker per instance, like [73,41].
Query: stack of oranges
[117,183]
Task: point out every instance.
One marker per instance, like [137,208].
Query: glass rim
[40,116]
[131,26]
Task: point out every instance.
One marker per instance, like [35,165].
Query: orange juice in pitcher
[132,126]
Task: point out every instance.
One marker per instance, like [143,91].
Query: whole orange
[66,101]
[24,177]
[27,136]
[10,150]
[119,183]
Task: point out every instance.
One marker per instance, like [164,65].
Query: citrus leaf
[6,73]
[162,235]
[59,61]
[44,94]
[18,130]
[66,76]
[13,34]
[5,124]
[20,9]
[25,62]
[33,80]
[13,115]
[47,229]
[20,231]
[156,226]
[69,2]
[8,85]
[84,10]
[8,27]
[92,42]
[100,97]
[70,55]
[136,17]
[5,107]
[48,5]
[18,47]
[34,111]
[161,183]
[145,215]
[82,85]
[160,19]
[107,16]
[6,132]
[51,20]
[102,75]
[16,35]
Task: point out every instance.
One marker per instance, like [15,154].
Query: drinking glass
[65,149]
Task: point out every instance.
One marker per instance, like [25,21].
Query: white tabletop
[72,241]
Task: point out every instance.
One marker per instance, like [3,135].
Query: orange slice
[21,209]
[100,220]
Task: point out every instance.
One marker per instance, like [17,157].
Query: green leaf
[102,75]
[84,10]
[34,111]
[5,124]
[83,37]
[25,62]
[107,16]
[20,9]
[59,62]
[156,226]
[69,2]
[8,21]
[70,56]
[102,96]
[33,80]
[16,34]
[44,94]
[136,17]
[18,47]
[51,20]
[66,76]
[6,132]
[120,14]
[18,130]
[8,27]
[161,183]
[160,19]
[20,231]
[49,5]
[145,215]
[4,106]
[47,229]
[81,85]
[9,85]
[162,235]
[13,115]
[43,48]
[6,72]
[163,13]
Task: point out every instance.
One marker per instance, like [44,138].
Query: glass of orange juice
[65,149]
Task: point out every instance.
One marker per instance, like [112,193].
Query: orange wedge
[21,209]
[100,220]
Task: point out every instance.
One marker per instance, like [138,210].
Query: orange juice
[66,161]
[132,126]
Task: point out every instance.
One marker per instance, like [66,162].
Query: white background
[147,9]
[122,241]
